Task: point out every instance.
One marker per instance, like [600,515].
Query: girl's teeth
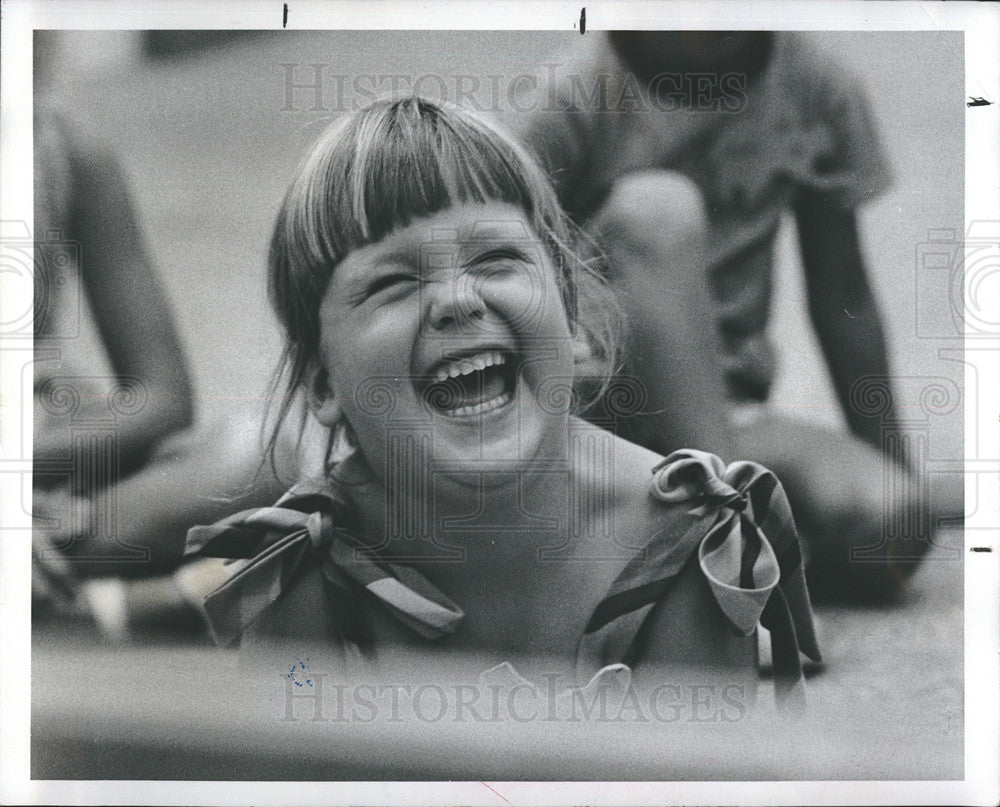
[481,408]
[465,366]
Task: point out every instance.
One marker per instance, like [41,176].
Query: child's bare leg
[199,478]
[652,229]
[855,508]
[121,568]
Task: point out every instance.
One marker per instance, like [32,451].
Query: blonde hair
[392,162]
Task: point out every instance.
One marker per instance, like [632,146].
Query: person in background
[82,201]
[679,152]
[88,238]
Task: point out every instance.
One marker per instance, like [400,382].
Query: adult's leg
[652,230]
[862,516]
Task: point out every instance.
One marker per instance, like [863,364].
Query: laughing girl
[436,318]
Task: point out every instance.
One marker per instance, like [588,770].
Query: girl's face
[451,329]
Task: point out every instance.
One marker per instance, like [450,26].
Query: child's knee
[868,542]
[653,210]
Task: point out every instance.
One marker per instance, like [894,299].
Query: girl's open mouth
[471,385]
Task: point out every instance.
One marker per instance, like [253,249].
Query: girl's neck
[527,558]
[431,517]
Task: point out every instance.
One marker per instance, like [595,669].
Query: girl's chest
[532,615]
[541,607]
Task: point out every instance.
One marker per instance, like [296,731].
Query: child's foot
[107,600]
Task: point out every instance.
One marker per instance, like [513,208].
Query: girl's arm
[842,307]
[130,309]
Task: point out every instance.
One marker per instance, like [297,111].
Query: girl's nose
[454,304]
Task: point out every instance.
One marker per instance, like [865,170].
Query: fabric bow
[273,546]
[748,551]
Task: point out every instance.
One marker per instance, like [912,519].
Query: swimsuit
[735,520]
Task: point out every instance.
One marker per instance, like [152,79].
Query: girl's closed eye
[497,261]
[387,287]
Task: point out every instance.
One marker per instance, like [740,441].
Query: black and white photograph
[523,404]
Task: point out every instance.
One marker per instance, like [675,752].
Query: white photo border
[981,25]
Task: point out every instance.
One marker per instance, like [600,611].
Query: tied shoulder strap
[307,527]
[748,551]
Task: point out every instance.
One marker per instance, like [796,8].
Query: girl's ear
[581,348]
[322,400]
[584,363]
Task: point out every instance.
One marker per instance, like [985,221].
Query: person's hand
[53,582]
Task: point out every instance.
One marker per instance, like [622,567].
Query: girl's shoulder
[721,546]
[301,571]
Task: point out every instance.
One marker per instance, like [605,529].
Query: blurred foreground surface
[888,705]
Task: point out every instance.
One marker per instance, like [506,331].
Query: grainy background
[210,150]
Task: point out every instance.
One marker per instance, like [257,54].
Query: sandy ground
[209,148]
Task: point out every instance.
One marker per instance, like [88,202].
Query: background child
[435,312]
[93,426]
[680,152]
[90,246]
